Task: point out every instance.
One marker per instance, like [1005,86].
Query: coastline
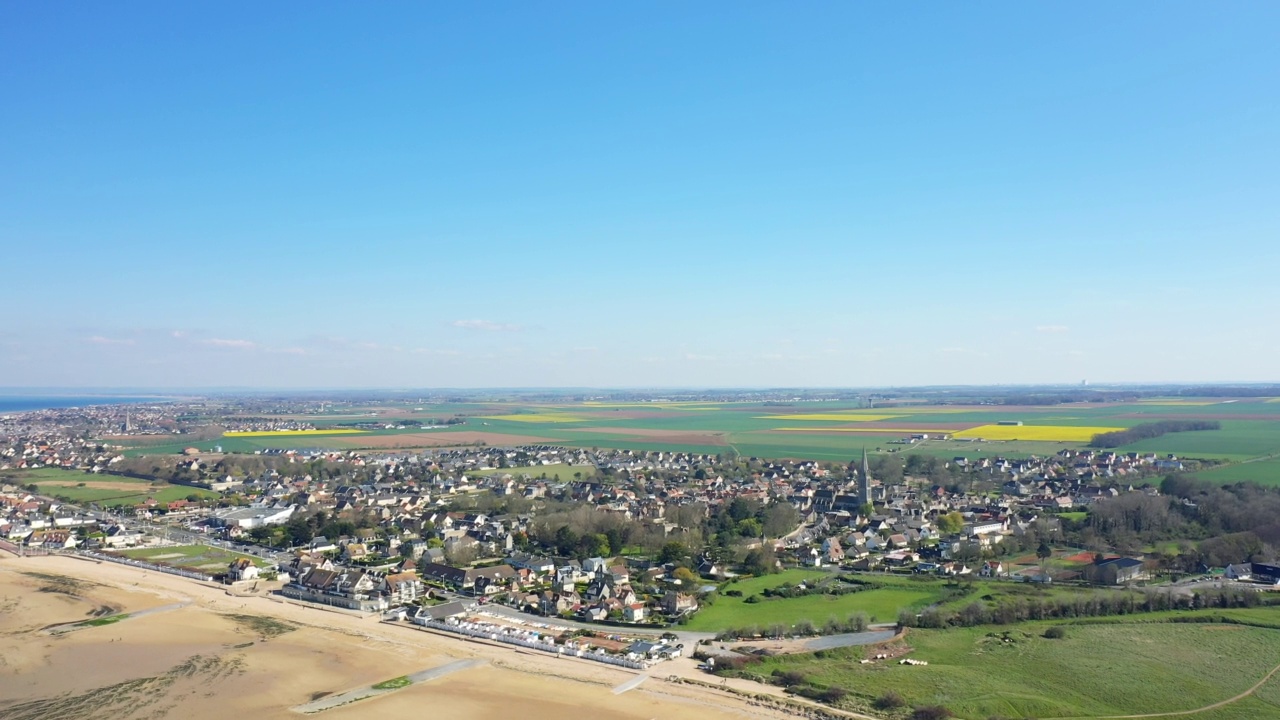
[328,653]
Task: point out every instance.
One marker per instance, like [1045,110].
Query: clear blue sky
[676,194]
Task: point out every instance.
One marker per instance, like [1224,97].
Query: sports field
[197,558]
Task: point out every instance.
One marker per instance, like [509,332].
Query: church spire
[864,481]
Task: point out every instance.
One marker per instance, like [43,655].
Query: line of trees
[1147,431]
[1015,610]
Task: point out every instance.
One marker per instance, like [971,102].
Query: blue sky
[737,194]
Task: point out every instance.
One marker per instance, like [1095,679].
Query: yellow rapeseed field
[282,433]
[1048,433]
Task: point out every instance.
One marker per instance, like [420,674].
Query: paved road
[848,639]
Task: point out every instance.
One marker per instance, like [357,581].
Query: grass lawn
[200,558]
[882,604]
[1096,670]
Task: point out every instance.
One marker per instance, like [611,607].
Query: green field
[881,604]
[107,490]
[1112,669]
[817,430]
[199,558]
[1263,472]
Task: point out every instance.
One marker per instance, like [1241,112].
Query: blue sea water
[25,403]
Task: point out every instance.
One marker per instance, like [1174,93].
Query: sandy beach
[220,655]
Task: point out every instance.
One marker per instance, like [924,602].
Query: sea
[26,403]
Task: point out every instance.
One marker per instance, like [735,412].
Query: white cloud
[178,334]
[1052,328]
[224,343]
[100,340]
[486,325]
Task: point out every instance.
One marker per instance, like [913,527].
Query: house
[634,612]
[351,589]
[535,564]
[440,612]
[477,581]
[402,588]
[1243,572]
[242,569]
[678,603]
[120,536]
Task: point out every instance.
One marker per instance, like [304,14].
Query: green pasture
[1096,670]
[52,482]
[881,604]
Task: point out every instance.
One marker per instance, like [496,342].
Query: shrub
[790,678]
[753,599]
[1057,632]
[889,701]
[832,695]
[931,712]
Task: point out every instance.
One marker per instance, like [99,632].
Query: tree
[685,576]
[596,545]
[951,523]
[779,519]
[750,528]
[1043,551]
[673,552]
[761,561]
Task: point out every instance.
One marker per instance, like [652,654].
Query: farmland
[1263,472]
[1096,670]
[292,433]
[106,490]
[833,431]
[1051,433]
